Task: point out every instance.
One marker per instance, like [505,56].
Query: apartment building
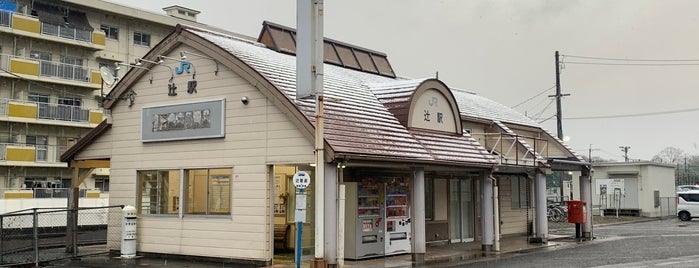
[53,55]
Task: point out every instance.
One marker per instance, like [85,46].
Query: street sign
[302,180]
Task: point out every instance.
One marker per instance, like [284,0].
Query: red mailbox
[577,213]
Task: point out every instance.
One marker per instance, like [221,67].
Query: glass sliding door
[461,210]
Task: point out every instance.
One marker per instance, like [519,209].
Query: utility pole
[589,153]
[625,149]
[559,113]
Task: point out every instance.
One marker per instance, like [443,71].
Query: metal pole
[341,226]
[559,114]
[2,236]
[35,226]
[299,235]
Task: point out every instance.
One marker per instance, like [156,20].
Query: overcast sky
[504,50]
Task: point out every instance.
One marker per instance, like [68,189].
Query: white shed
[632,188]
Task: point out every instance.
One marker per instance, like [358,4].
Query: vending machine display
[364,223]
[377,218]
[397,217]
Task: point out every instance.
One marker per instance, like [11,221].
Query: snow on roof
[358,123]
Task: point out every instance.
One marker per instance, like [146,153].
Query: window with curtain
[159,192]
[208,191]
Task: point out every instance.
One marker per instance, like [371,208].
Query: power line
[633,115]
[547,119]
[631,64]
[538,94]
[620,59]
[545,108]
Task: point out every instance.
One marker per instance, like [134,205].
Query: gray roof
[477,106]
[357,124]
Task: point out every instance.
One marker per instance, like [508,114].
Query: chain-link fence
[39,235]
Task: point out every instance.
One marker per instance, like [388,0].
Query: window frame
[522,194]
[140,189]
[110,32]
[209,192]
[38,97]
[180,205]
[429,199]
[70,101]
[138,39]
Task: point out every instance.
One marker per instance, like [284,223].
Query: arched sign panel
[434,108]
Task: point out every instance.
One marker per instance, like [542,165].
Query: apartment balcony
[30,26]
[50,72]
[49,113]
[31,155]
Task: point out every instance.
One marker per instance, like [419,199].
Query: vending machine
[364,214]
[377,218]
[397,217]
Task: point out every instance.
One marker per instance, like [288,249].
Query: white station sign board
[302,180]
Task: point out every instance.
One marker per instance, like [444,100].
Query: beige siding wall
[256,134]
[514,220]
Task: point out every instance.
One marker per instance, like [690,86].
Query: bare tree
[669,155]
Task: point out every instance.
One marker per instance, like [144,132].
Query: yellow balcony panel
[92,194]
[96,117]
[98,38]
[25,110]
[21,66]
[27,24]
[27,154]
[9,194]
[95,77]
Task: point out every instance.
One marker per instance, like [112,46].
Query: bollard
[128,233]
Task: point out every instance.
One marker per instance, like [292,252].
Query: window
[429,199]
[72,60]
[141,39]
[71,101]
[207,191]
[38,55]
[41,145]
[36,97]
[102,184]
[110,32]
[690,197]
[159,191]
[520,192]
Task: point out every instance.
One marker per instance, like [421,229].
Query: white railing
[511,150]
[66,32]
[5,18]
[52,69]
[52,111]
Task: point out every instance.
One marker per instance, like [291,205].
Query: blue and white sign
[302,180]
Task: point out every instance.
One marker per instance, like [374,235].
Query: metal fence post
[36,237]
[2,237]
[75,232]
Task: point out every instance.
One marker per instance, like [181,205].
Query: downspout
[496,214]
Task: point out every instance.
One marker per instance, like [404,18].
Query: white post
[542,227]
[128,233]
[309,62]
[331,214]
[341,227]
[417,215]
[496,218]
[487,216]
